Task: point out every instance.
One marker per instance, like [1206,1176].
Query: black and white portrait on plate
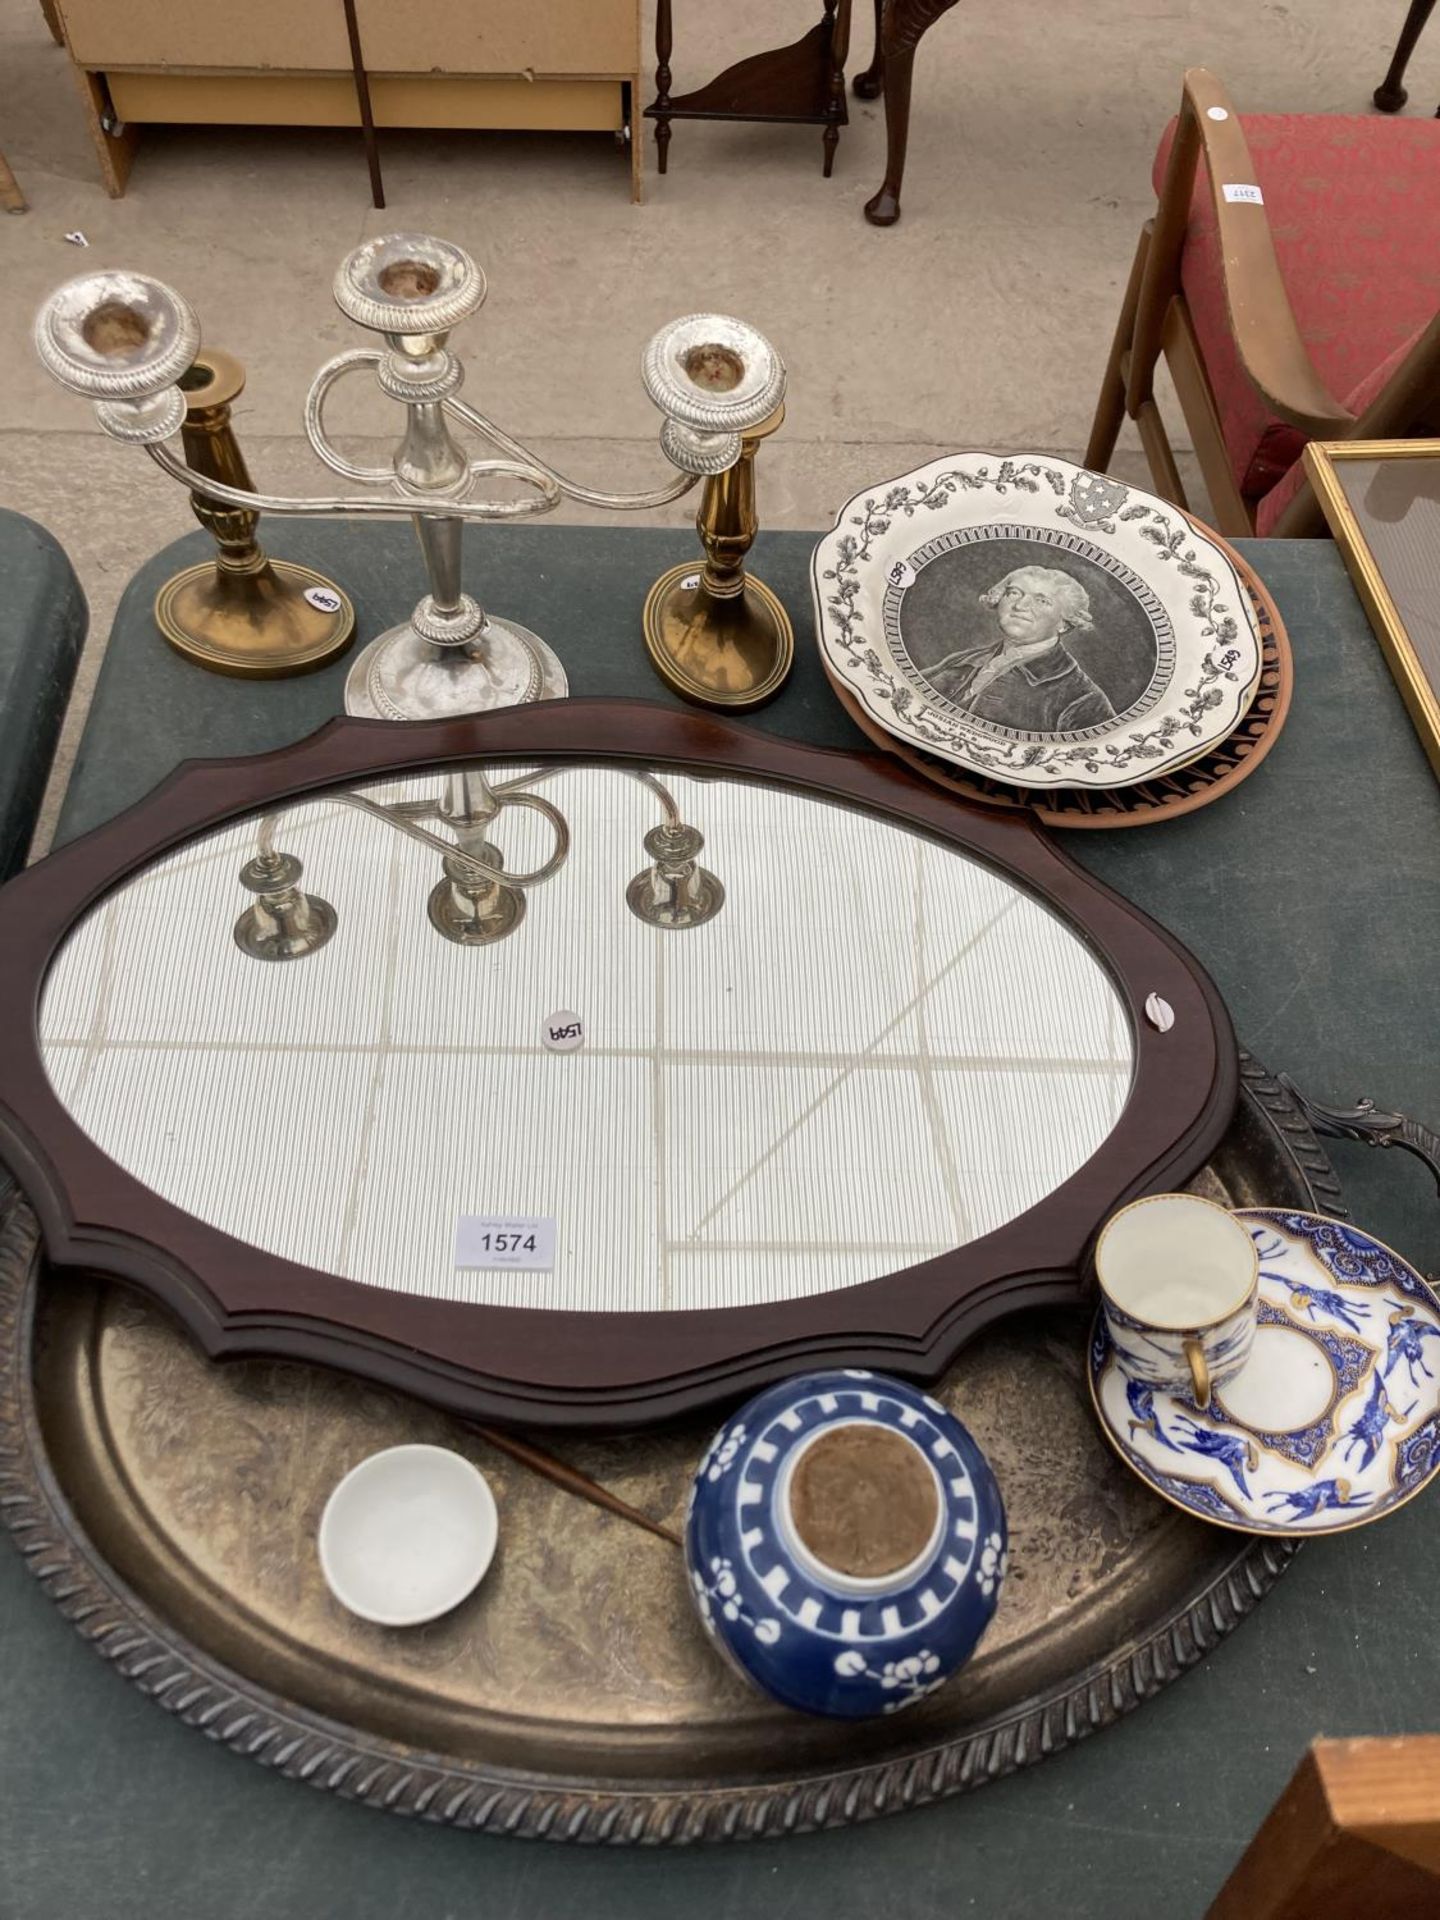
[1029,635]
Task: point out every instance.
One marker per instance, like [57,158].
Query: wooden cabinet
[561,64]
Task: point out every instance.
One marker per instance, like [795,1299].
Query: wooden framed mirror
[767,1057]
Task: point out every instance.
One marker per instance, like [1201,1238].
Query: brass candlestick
[718,635]
[243,612]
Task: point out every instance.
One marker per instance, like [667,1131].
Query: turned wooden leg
[837,19]
[868,85]
[884,209]
[905,23]
[1390,95]
[664,41]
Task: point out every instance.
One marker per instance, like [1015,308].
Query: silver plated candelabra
[478,899]
[125,341]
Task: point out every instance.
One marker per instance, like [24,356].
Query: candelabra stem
[716,634]
[449,657]
[242,613]
[439,536]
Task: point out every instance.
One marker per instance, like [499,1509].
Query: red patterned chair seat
[1354,210]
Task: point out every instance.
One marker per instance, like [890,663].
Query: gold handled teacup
[1178,1279]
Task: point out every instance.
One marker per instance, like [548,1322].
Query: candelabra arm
[403,822]
[363,359]
[675,489]
[546,498]
[523,781]
[329,375]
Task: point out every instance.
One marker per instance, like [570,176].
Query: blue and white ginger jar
[846,1543]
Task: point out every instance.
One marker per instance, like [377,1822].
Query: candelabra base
[279,619]
[472,917]
[403,676]
[732,654]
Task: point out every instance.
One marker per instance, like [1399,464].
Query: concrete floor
[982,320]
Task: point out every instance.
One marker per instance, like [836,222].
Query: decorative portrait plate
[1035,623]
[1334,1420]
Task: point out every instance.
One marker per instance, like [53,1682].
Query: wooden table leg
[837,18]
[115,151]
[664,41]
[904,24]
[870,84]
[1390,95]
[11,198]
[637,145]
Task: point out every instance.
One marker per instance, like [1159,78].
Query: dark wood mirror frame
[536,1365]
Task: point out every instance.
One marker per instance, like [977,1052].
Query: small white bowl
[407,1535]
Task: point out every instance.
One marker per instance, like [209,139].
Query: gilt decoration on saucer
[1035,623]
[1334,1420]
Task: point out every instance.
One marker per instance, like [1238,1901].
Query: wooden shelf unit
[571,65]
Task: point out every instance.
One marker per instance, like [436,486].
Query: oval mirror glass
[733,1044]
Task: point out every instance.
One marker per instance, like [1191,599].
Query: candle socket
[675,890]
[283,922]
[717,635]
[242,613]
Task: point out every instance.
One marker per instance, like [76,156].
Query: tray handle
[1371,1125]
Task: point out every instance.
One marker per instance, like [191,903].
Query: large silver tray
[169,1507]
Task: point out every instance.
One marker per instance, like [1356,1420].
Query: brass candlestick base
[717,635]
[734,653]
[243,613]
[261,624]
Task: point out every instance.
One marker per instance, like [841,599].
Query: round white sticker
[563,1032]
[323,599]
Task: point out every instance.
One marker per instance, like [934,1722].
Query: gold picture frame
[1415,665]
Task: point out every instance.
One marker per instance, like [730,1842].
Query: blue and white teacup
[1179,1280]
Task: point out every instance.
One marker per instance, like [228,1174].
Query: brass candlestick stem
[717,635]
[242,613]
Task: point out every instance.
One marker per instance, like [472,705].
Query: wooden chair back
[1155,320]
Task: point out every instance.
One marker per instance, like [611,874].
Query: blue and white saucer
[1334,1420]
[846,1543]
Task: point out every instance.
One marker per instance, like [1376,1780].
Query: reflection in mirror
[831,1049]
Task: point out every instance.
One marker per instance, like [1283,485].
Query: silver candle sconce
[478,898]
